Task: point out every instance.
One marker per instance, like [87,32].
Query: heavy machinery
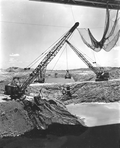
[101,75]
[16,91]
[67,75]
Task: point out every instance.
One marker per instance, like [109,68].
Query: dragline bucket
[16,91]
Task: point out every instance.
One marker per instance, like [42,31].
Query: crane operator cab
[102,76]
[13,88]
[67,75]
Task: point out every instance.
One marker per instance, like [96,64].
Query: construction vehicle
[67,75]
[101,75]
[16,91]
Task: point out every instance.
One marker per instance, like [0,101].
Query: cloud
[14,55]
[11,60]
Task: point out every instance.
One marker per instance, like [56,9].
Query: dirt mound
[88,91]
[87,75]
[14,69]
[16,118]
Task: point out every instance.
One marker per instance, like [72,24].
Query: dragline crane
[101,75]
[15,90]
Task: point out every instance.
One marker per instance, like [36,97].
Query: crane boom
[100,75]
[47,59]
[16,91]
[82,57]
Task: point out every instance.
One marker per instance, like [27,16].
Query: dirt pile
[96,92]
[13,119]
[89,91]
[87,75]
[16,118]
[14,69]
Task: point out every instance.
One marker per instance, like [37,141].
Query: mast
[47,59]
[83,58]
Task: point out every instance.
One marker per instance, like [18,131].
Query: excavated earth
[16,119]
[87,91]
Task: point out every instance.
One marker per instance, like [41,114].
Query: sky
[29,28]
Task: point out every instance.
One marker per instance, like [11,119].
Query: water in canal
[96,114]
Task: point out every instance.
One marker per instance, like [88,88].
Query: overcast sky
[29,28]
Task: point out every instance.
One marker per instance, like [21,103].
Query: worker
[63,90]
[37,99]
[68,93]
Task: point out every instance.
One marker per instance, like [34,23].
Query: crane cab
[11,90]
[14,88]
[102,76]
[42,80]
[67,75]
[27,68]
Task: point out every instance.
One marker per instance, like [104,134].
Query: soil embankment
[88,91]
[16,118]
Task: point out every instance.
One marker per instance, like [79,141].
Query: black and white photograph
[59,73]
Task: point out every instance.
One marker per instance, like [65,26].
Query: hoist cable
[44,53]
[58,59]
[36,60]
[61,54]
[84,54]
[94,58]
[66,58]
[73,15]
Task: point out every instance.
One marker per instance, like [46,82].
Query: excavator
[101,75]
[17,90]
[69,91]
